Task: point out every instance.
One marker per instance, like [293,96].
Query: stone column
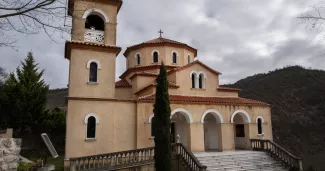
[9,153]
[227,132]
[196,137]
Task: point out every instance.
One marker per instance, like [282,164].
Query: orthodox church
[105,115]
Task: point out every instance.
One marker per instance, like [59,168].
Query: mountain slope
[297,96]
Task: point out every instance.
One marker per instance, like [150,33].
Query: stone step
[239,161]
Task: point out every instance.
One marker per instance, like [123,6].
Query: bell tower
[92,50]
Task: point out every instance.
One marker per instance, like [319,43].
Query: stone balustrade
[92,35]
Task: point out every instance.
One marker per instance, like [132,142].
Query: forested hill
[297,96]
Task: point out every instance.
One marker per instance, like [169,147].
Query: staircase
[239,161]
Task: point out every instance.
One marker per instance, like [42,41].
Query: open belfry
[105,115]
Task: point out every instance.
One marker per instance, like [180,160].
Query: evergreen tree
[163,154]
[24,97]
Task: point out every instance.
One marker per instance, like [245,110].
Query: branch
[19,8]
[39,5]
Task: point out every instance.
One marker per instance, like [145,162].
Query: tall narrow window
[153,127]
[201,81]
[155,57]
[138,59]
[91,127]
[174,57]
[93,72]
[193,80]
[188,59]
[259,126]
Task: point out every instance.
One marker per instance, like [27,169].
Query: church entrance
[212,133]
[241,131]
[179,129]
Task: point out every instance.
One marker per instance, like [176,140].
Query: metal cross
[160,32]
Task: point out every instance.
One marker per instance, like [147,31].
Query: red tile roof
[170,85]
[159,41]
[143,73]
[222,88]
[207,100]
[191,64]
[122,83]
[145,68]
[68,44]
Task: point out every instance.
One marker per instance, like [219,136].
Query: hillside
[297,96]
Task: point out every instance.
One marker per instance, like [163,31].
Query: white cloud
[237,38]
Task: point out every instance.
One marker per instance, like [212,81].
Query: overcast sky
[238,38]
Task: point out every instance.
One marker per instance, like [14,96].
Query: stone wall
[9,153]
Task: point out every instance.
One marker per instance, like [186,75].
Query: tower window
[188,59]
[93,72]
[259,126]
[138,59]
[94,22]
[155,57]
[91,127]
[174,57]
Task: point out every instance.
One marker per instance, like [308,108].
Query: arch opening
[93,72]
[212,132]
[94,22]
[240,120]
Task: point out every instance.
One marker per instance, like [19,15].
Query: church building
[105,114]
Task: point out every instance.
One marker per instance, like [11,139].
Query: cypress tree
[24,97]
[163,153]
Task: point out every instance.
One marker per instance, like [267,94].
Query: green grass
[58,162]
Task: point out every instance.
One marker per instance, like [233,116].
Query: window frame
[138,59]
[153,56]
[260,122]
[174,56]
[86,123]
[89,70]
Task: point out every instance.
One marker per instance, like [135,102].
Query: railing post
[262,145]
[72,165]
[300,165]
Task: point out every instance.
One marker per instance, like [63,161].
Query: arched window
[174,57]
[155,57]
[259,126]
[138,59]
[188,59]
[93,72]
[91,127]
[153,127]
[94,22]
[193,76]
[200,81]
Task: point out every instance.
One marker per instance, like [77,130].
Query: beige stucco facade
[122,111]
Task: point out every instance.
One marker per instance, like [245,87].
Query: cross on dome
[160,32]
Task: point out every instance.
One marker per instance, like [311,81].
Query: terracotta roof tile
[143,73]
[170,84]
[191,64]
[209,100]
[68,44]
[158,41]
[122,83]
[222,88]
[144,68]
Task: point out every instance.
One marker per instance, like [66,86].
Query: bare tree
[314,19]
[31,17]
